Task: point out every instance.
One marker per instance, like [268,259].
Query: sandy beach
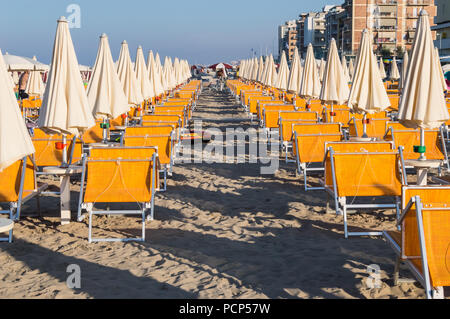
[220,231]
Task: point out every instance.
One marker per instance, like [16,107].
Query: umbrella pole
[365,126]
[105,126]
[64,151]
[422,145]
[331,113]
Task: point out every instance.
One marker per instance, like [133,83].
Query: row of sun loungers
[126,169]
[352,170]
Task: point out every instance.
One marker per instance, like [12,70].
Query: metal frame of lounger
[15,208]
[422,277]
[302,168]
[342,201]
[89,207]
[444,161]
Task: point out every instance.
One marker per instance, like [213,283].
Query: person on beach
[23,80]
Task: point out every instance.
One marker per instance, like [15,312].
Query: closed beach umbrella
[264,72]
[15,141]
[404,69]
[35,86]
[283,74]
[423,102]
[255,69]
[127,77]
[351,69]
[142,75]
[322,69]
[270,70]
[154,75]
[274,73]
[382,70]
[367,94]
[334,85]
[441,73]
[261,69]
[395,74]
[345,69]
[65,107]
[105,93]
[295,77]
[310,83]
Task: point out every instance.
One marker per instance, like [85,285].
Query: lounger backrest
[262,104]
[299,115]
[377,115]
[409,138]
[342,115]
[46,153]
[253,102]
[149,130]
[162,142]
[436,222]
[93,135]
[375,128]
[351,147]
[286,127]
[271,113]
[322,128]
[120,175]
[10,180]
[161,117]
[367,174]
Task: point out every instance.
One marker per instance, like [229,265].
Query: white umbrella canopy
[367,94]
[127,77]
[264,72]
[422,104]
[274,73]
[295,77]
[382,70]
[269,73]
[105,93]
[441,73]
[65,107]
[141,71]
[15,142]
[154,75]
[334,85]
[35,85]
[395,74]
[261,69]
[310,83]
[19,63]
[345,69]
[351,69]
[322,69]
[15,77]
[404,69]
[283,74]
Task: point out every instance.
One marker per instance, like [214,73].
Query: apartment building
[442,27]
[287,38]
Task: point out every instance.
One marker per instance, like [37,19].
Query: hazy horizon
[203,32]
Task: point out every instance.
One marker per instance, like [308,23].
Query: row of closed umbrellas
[68,108]
[422,103]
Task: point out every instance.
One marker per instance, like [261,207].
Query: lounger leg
[397,271]
[10,237]
[438,293]
[143,224]
[345,221]
[397,209]
[90,227]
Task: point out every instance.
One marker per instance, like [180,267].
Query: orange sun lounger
[424,239]
[352,175]
[308,146]
[119,175]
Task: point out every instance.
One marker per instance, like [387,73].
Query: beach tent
[18,63]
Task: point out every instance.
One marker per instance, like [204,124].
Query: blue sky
[201,31]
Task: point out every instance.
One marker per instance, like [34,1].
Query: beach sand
[220,231]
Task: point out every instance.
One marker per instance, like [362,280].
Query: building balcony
[386,2]
[442,44]
[385,41]
[385,28]
[389,15]
[419,2]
